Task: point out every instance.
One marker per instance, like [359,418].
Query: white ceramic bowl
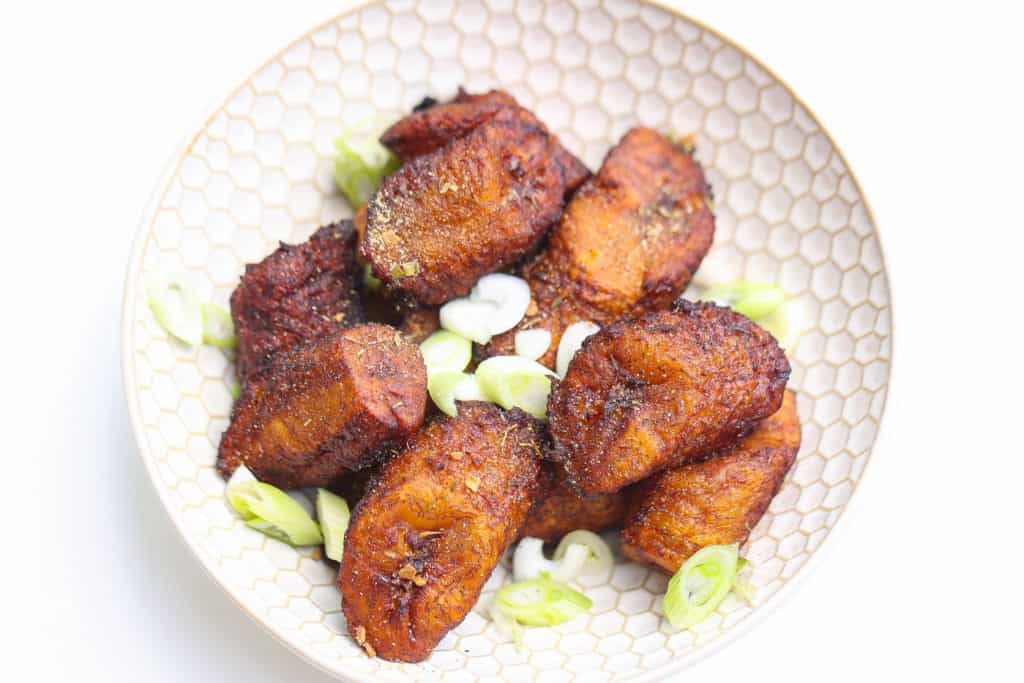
[259,170]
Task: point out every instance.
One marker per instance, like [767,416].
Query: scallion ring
[176,307]
[599,556]
[532,343]
[528,561]
[752,299]
[218,328]
[446,351]
[700,585]
[571,341]
[270,510]
[516,382]
[541,602]
[333,515]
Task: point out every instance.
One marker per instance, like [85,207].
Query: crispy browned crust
[559,509]
[676,513]
[299,292]
[470,208]
[628,242]
[661,390]
[418,324]
[433,126]
[434,525]
[352,486]
[326,407]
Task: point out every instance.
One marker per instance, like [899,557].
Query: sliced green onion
[468,318]
[362,162]
[572,340]
[541,602]
[446,351]
[236,390]
[333,514]
[506,625]
[700,585]
[533,343]
[528,561]
[176,307]
[786,323]
[516,382]
[496,304]
[441,387]
[218,328]
[599,556]
[469,390]
[752,299]
[270,510]
[743,587]
[370,281]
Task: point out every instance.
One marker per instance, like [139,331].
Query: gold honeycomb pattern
[788,210]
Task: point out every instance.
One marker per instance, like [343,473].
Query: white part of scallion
[441,387]
[572,340]
[528,561]
[218,328]
[333,515]
[362,162]
[700,585]
[599,556]
[270,510]
[176,307]
[468,318]
[541,602]
[509,294]
[516,382]
[468,389]
[533,343]
[445,351]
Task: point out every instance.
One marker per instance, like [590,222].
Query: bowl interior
[259,170]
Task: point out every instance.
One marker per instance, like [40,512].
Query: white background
[923,580]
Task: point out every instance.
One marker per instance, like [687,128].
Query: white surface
[926,105]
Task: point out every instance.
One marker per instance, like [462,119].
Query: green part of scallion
[270,510]
[441,387]
[700,585]
[445,351]
[362,162]
[218,328]
[236,390]
[541,602]
[176,307]
[753,299]
[516,382]
[333,514]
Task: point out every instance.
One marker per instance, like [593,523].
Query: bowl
[259,170]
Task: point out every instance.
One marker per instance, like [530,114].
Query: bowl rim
[141,239]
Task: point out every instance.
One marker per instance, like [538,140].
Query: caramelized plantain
[628,242]
[654,392]
[299,292]
[467,209]
[676,513]
[326,407]
[433,526]
[559,509]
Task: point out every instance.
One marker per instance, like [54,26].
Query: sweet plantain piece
[434,525]
[418,324]
[658,391]
[299,292]
[676,513]
[560,509]
[628,242]
[326,407]
[467,209]
[433,126]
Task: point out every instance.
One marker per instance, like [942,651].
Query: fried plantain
[433,126]
[654,392]
[433,526]
[470,208]
[628,242]
[559,509]
[299,292]
[676,513]
[326,407]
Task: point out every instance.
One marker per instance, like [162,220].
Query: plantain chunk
[418,324]
[676,513]
[299,292]
[560,509]
[654,392]
[467,209]
[434,525]
[628,242]
[326,407]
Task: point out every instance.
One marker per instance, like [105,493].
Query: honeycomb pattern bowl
[259,170]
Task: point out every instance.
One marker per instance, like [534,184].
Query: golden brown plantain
[559,509]
[418,324]
[433,526]
[628,242]
[654,392]
[467,209]
[299,292]
[676,513]
[326,407]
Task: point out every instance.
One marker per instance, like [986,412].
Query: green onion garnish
[516,382]
[218,329]
[362,162]
[270,510]
[445,351]
[333,514]
[442,389]
[752,299]
[176,307]
[571,341]
[541,602]
[236,389]
[599,556]
[700,585]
